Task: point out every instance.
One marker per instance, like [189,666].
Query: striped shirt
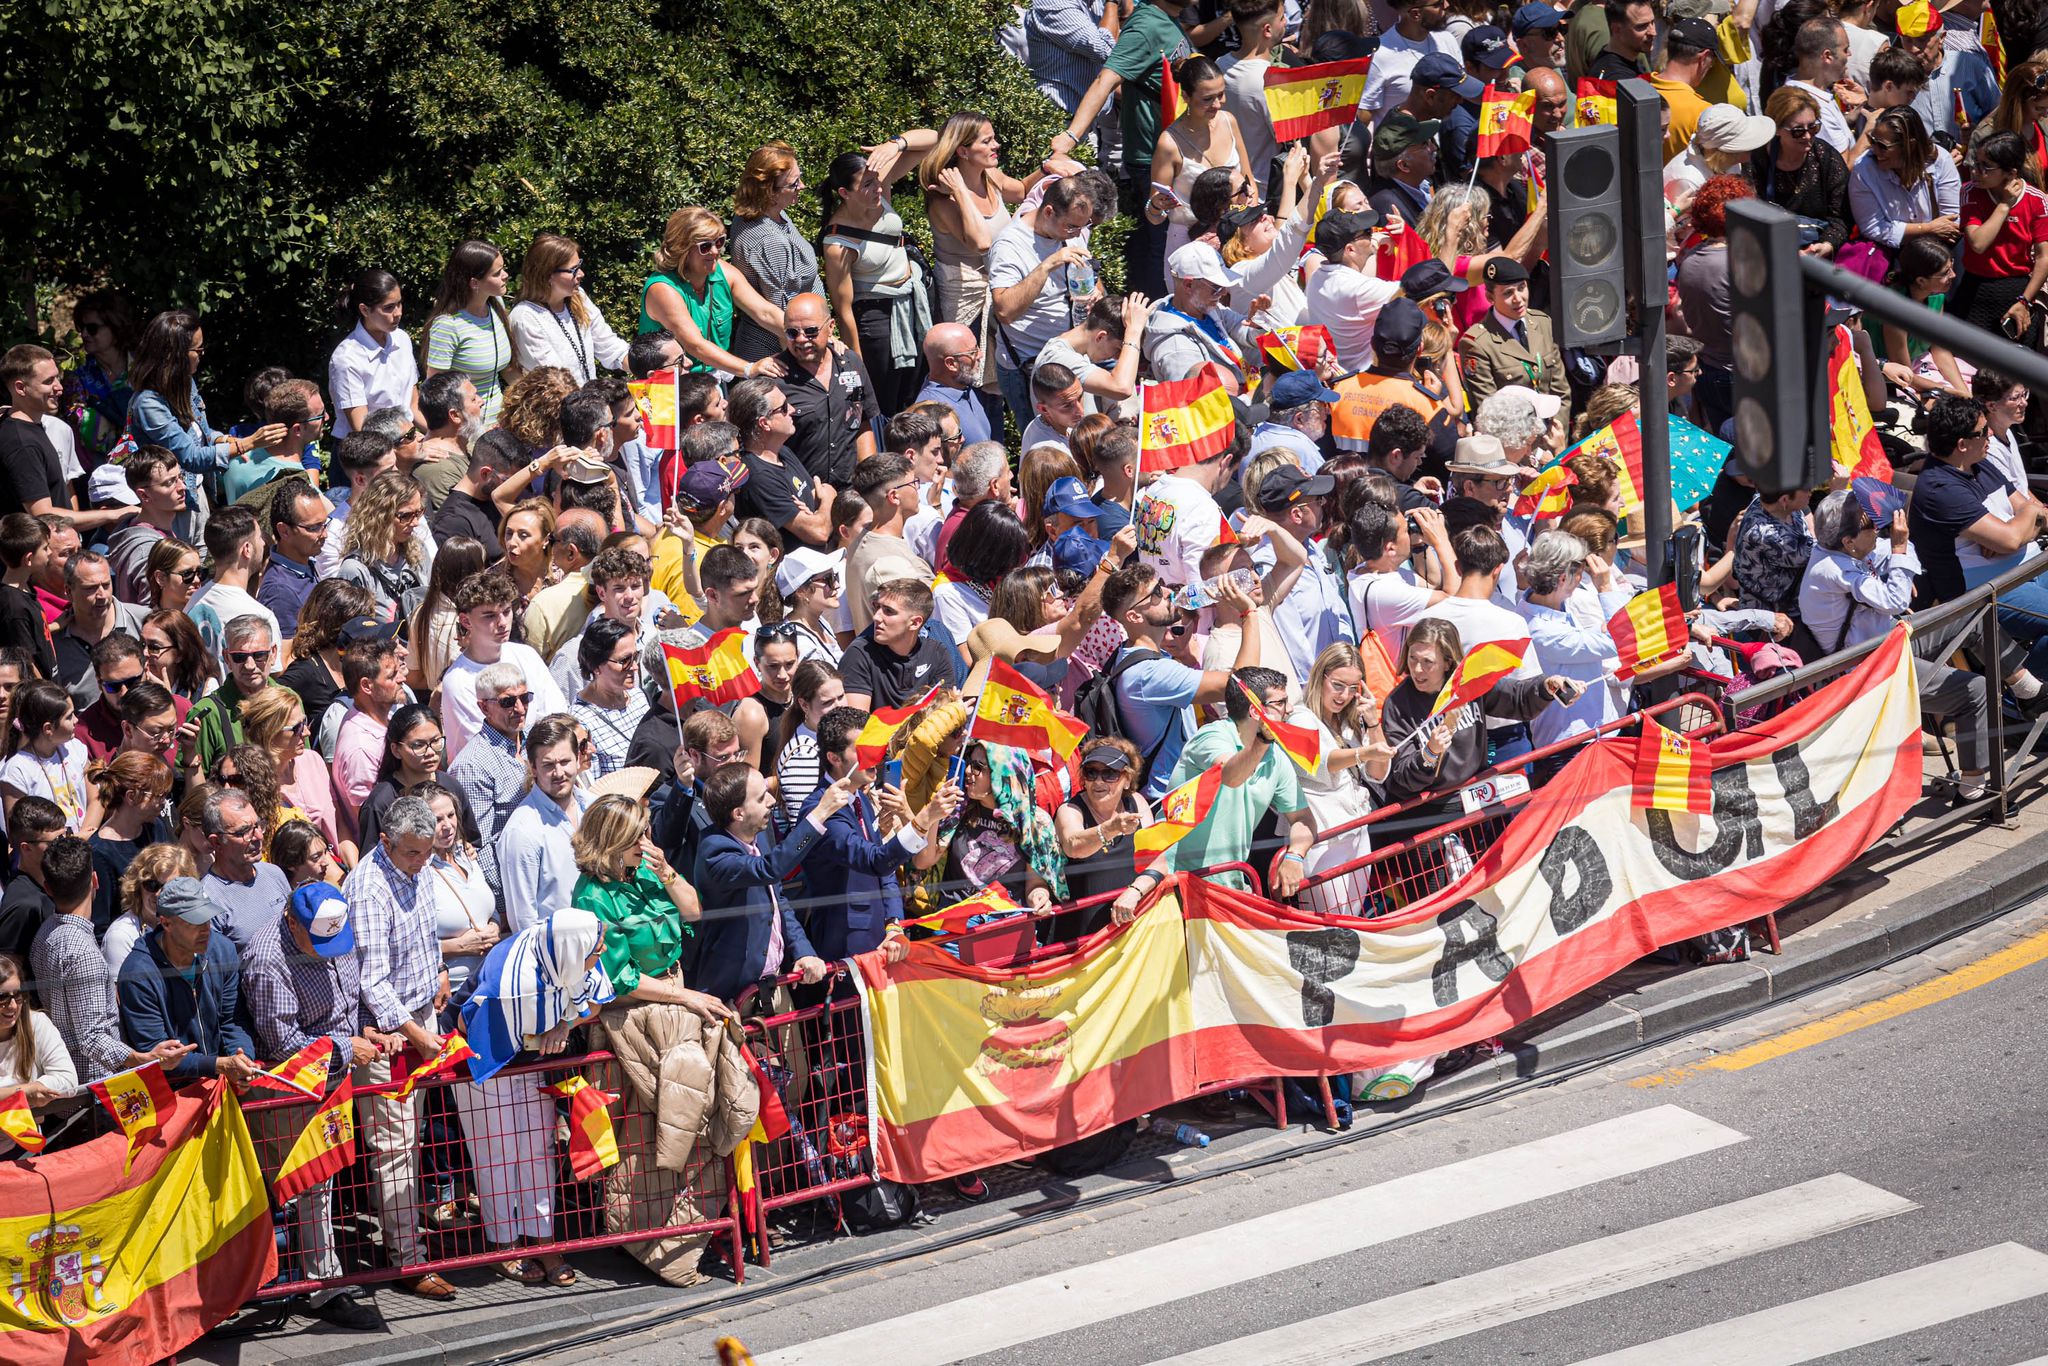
[478,347]
[77,989]
[398,950]
[491,776]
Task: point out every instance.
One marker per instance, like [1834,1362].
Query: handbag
[1381,675]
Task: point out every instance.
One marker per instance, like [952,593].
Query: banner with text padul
[1579,885]
[971,1068]
[131,1269]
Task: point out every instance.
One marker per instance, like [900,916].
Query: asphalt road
[1867,1190]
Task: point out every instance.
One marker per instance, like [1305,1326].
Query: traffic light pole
[1985,350]
[1639,110]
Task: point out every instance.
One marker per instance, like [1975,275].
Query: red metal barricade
[458,1169]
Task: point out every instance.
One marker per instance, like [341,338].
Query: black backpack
[1095,706]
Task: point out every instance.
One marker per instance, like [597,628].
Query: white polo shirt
[363,374]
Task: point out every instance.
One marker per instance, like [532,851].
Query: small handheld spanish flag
[1648,630]
[1622,442]
[304,1073]
[1171,103]
[1672,773]
[1013,710]
[655,397]
[1549,494]
[454,1049]
[716,671]
[1303,100]
[1598,101]
[325,1146]
[1506,122]
[1481,668]
[592,1144]
[1180,811]
[1297,348]
[140,1101]
[953,919]
[18,1122]
[1185,421]
[1303,744]
[871,746]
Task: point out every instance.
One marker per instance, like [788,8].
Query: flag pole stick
[1138,469]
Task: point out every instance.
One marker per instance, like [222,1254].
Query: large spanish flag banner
[1185,421]
[1852,433]
[1307,99]
[971,1068]
[716,671]
[131,1269]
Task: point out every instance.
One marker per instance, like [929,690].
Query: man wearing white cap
[1193,328]
[1721,144]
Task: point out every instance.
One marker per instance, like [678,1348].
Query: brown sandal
[522,1270]
[556,1271]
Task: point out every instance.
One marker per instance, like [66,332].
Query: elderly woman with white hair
[1858,583]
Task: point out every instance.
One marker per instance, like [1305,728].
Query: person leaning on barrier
[1453,747]
[1859,582]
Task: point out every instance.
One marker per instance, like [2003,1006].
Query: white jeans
[510,1128]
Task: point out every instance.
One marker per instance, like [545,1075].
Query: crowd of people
[353,719]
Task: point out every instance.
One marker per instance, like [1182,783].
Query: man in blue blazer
[749,932]
[853,896]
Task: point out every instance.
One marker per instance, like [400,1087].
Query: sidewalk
[1893,903]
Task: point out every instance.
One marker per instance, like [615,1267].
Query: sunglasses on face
[712,247]
[248,656]
[1092,774]
[114,685]
[576,269]
[187,575]
[1800,130]
[513,699]
[10,998]
[794,332]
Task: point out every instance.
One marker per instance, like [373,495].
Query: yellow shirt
[1720,85]
[668,570]
[557,613]
[1686,107]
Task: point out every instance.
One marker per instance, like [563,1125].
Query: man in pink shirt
[371,672]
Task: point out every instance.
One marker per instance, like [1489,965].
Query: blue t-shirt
[1946,500]
[1153,698]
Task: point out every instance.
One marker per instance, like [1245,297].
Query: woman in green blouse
[646,907]
[694,291]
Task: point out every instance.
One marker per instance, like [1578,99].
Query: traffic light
[1780,431]
[1588,278]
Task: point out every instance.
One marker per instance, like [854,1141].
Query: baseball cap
[1431,276]
[182,898]
[1536,18]
[1486,45]
[1547,406]
[1401,130]
[1398,329]
[321,909]
[801,565]
[1237,220]
[1696,34]
[358,629]
[1287,484]
[1342,45]
[1504,270]
[1070,496]
[1110,757]
[1442,71]
[1339,230]
[1200,261]
[585,469]
[705,485]
[888,569]
[109,484]
[1298,387]
[1724,128]
[1482,454]
[1074,551]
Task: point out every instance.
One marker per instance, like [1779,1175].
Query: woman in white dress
[1347,718]
[1205,137]
[554,322]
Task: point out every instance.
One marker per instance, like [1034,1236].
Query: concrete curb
[1594,1025]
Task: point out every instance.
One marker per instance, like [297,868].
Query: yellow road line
[2009,960]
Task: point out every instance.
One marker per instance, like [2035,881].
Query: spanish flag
[139,1100]
[1303,744]
[716,671]
[771,1121]
[1297,348]
[1549,494]
[1994,46]
[1649,630]
[304,1073]
[325,1146]
[1226,534]
[1853,435]
[1066,733]
[1013,711]
[871,746]
[126,1269]
[1672,773]
[953,919]
[1622,442]
[655,396]
[1185,422]
[454,1049]
[18,1122]
[1915,19]
[592,1145]
[1481,668]
[1307,99]
[1405,248]
[1171,104]
[1180,811]
[1598,101]
[1506,122]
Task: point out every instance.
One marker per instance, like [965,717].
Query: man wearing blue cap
[1538,31]
[302,982]
[1487,53]
[1067,505]
[1297,417]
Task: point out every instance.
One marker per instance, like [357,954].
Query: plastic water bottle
[1245,579]
[1081,279]
[1187,1135]
[1455,857]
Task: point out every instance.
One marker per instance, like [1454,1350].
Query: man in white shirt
[536,864]
[236,544]
[1193,328]
[1420,28]
[1031,273]
[484,605]
[1177,518]
[1343,294]
[1820,51]
[1387,595]
[1259,25]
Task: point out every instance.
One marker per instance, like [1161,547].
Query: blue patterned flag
[1696,459]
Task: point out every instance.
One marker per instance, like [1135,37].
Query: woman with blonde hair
[378,549]
[173,570]
[533,407]
[1455,227]
[766,247]
[275,718]
[1604,406]
[1356,755]
[966,200]
[467,326]
[648,911]
[139,884]
[33,1059]
[1265,248]
[132,788]
[695,295]
[555,323]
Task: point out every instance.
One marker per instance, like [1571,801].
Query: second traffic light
[1781,427]
[1588,274]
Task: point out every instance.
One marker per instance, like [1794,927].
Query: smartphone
[892,773]
[1170,193]
[956,770]
[1685,564]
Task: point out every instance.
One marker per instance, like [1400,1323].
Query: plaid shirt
[295,998]
[398,947]
[77,989]
[491,776]
[611,731]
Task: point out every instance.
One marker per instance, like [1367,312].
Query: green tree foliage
[251,157]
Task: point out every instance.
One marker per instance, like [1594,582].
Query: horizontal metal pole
[1987,350]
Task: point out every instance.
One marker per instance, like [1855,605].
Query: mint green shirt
[1226,836]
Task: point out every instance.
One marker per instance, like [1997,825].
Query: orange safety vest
[1368,393]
